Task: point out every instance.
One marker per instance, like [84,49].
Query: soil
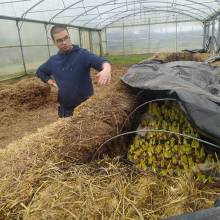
[27,122]
[17,123]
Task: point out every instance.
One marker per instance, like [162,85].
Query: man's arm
[101,65]
[44,74]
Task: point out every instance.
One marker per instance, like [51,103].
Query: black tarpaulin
[196,85]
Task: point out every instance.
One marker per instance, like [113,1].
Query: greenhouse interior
[145,145]
[103,27]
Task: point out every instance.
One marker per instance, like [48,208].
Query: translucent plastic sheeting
[10,63]
[189,35]
[9,33]
[104,41]
[137,39]
[34,56]
[85,39]
[154,38]
[95,43]
[102,13]
[114,41]
[10,51]
[74,35]
[33,34]
[34,42]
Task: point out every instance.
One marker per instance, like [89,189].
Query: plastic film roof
[103,13]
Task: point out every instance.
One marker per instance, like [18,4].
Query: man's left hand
[104,77]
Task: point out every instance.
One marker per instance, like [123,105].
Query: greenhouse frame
[103,27]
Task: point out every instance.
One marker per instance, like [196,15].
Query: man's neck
[68,51]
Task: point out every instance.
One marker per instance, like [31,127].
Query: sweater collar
[74,49]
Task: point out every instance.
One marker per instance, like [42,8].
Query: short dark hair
[56,29]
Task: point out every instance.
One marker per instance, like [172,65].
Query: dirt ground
[24,122]
[27,122]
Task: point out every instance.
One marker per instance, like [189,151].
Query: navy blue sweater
[71,71]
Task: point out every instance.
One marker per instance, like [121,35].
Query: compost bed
[47,174]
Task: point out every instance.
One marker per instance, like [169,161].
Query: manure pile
[49,174]
[24,107]
[25,95]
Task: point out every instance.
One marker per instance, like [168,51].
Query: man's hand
[52,83]
[104,77]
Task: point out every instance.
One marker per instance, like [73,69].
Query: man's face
[62,41]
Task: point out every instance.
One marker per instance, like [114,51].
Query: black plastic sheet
[195,85]
[208,214]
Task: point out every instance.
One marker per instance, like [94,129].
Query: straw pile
[27,94]
[42,176]
[201,57]
[23,96]
[184,55]
[187,56]
[107,189]
[26,163]
[168,57]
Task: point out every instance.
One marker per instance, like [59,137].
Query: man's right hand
[51,82]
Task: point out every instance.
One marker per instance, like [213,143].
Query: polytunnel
[143,143]
[104,27]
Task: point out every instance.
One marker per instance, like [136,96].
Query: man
[70,69]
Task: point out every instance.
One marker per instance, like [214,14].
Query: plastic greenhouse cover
[102,13]
[195,85]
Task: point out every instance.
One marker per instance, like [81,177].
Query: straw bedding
[25,162]
[48,174]
[108,189]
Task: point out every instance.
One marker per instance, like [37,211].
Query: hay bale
[26,163]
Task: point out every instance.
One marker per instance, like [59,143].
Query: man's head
[61,38]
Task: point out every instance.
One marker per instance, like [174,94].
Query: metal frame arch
[93,8]
[26,12]
[191,1]
[130,3]
[204,5]
[213,16]
[159,10]
[35,5]
[4,3]
[212,9]
[75,3]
